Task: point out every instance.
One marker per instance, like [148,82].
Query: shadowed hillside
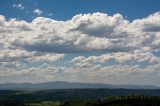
[81,97]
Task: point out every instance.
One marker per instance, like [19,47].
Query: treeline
[133,100]
[85,97]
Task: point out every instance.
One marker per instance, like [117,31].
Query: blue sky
[64,10]
[107,41]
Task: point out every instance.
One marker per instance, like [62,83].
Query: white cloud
[62,37]
[117,74]
[19,6]
[100,25]
[45,57]
[47,35]
[109,37]
[50,14]
[135,57]
[65,37]
[12,55]
[38,11]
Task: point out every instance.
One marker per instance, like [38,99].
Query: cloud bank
[131,47]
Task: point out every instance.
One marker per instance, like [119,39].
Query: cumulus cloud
[67,36]
[80,34]
[100,25]
[117,74]
[39,57]
[120,57]
[111,38]
[38,11]
[12,55]
[15,55]
[59,36]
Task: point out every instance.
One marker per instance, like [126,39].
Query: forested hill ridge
[81,97]
[68,85]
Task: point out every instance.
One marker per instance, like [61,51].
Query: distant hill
[67,85]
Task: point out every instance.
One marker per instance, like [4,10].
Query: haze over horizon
[110,42]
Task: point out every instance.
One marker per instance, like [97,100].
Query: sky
[91,41]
